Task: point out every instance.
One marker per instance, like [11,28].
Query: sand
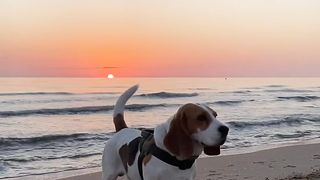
[291,162]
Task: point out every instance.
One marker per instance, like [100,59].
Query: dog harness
[147,146]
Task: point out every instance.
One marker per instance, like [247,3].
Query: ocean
[50,125]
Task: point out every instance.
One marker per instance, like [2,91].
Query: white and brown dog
[170,152]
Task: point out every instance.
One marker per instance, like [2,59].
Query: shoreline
[295,161]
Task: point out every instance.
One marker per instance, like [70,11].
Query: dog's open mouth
[212,150]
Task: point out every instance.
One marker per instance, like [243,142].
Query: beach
[284,163]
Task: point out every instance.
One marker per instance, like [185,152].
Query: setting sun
[110,76]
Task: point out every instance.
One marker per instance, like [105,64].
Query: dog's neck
[160,133]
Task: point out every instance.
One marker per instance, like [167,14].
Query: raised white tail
[118,117]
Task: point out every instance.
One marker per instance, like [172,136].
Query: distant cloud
[110,67]
[104,67]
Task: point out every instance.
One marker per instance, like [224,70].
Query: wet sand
[284,163]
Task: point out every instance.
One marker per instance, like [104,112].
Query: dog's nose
[223,130]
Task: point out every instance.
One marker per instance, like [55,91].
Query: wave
[168,95]
[79,110]
[229,103]
[297,134]
[288,90]
[242,92]
[43,158]
[35,93]
[311,106]
[275,86]
[252,88]
[52,99]
[102,93]
[54,93]
[59,147]
[8,141]
[238,92]
[285,121]
[299,98]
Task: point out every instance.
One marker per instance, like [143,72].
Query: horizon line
[161,77]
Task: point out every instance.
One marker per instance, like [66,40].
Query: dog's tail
[118,117]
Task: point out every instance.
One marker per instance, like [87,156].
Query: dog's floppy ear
[211,150]
[178,140]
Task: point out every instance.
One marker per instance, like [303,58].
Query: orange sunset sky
[210,38]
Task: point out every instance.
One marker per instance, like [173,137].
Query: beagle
[168,152]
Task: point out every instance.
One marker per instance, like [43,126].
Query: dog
[167,152]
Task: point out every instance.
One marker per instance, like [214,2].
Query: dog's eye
[215,114]
[202,117]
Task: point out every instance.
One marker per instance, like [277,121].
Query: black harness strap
[147,146]
[147,137]
[172,160]
[140,158]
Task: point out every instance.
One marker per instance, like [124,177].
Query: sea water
[50,125]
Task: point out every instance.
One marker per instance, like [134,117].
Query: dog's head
[195,125]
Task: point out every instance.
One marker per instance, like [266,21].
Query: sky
[160,38]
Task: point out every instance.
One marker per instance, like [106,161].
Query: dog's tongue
[212,150]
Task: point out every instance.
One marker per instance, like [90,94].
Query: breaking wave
[299,98]
[35,93]
[78,110]
[275,86]
[285,121]
[37,158]
[242,92]
[8,141]
[296,134]
[230,103]
[168,95]
[53,93]
[288,90]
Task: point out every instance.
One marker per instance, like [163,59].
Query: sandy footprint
[290,166]
[316,156]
